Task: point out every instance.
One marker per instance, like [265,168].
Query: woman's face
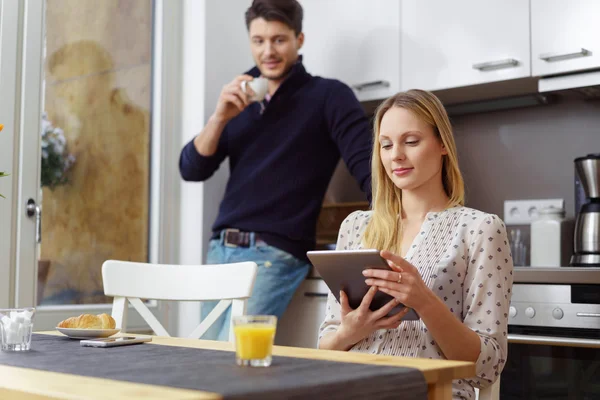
[410,152]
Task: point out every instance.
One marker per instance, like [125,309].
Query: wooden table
[24,383]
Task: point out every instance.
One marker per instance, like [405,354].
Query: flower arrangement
[56,160]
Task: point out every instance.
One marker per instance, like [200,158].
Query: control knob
[530,312]
[557,313]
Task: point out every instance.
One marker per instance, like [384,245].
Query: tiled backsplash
[523,153]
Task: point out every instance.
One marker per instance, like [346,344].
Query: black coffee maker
[587,209]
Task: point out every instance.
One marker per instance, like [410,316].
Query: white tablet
[342,270]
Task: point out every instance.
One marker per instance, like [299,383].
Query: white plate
[87,333]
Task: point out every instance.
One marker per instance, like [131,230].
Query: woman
[450,263]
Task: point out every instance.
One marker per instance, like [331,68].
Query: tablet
[342,270]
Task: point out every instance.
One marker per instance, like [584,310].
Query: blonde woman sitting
[450,263]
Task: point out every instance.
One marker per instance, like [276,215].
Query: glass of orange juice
[254,336]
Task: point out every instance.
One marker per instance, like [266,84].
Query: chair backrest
[232,284]
[490,392]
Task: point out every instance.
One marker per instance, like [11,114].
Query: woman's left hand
[403,282]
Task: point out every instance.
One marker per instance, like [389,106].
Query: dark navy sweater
[281,159]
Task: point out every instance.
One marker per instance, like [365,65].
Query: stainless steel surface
[551,57]
[587,226]
[371,85]
[32,210]
[492,65]
[532,293]
[587,233]
[586,259]
[550,306]
[588,170]
[554,341]
[558,275]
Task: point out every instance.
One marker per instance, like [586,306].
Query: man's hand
[232,100]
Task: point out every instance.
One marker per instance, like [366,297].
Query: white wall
[192,115]
[215,50]
[227,55]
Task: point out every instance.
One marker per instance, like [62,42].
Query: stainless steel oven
[553,335]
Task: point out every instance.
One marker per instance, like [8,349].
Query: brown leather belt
[236,238]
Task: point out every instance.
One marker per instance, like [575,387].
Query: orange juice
[254,341]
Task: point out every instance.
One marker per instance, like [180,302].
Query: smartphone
[112,342]
[342,270]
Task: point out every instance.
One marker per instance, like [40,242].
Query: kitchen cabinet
[448,44]
[355,41]
[565,36]
[299,325]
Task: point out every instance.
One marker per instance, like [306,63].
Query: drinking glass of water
[16,326]
[518,248]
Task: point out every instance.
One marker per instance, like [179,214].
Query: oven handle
[552,340]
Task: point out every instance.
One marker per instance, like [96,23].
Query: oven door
[552,363]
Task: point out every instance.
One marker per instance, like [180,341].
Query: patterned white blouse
[463,255]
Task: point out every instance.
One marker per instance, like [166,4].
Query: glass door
[551,372]
[9,67]
[86,186]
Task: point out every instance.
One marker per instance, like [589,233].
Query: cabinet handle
[315,294]
[551,57]
[588,314]
[371,85]
[491,65]
[553,341]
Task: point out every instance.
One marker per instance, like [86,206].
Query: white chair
[489,393]
[230,283]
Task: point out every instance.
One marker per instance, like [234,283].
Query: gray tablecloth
[216,371]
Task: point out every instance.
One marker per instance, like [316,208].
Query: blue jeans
[279,275]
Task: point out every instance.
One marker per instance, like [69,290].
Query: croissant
[89,321]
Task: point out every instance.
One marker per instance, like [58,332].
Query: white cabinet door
[447,44]
[355,41]
[565,36]
[299,325]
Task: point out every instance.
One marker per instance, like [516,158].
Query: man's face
[274,47]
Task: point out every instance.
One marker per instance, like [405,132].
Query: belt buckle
[225,241]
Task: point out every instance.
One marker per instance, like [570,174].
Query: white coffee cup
[258,88]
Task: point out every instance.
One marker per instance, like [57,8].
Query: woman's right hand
[357,324]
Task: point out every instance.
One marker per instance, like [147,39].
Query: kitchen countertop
[565,275]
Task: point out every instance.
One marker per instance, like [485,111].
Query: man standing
[282,154]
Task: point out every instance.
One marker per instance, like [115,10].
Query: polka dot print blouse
[464,257]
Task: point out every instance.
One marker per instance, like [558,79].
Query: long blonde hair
[384,231]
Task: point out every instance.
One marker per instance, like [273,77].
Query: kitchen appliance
[587,224]
[551,238]
[553,335]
